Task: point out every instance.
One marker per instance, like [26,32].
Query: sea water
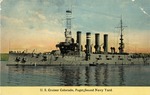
[102,75]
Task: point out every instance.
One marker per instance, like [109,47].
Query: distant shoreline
[4,56]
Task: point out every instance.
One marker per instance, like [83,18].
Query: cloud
[42,21]
[11,22]
[42,40]
[41,16]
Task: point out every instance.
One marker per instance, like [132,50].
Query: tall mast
[68,35]
[121,44]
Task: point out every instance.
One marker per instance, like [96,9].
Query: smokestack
[88,45]
[105,47]
[79,40]
[97,43]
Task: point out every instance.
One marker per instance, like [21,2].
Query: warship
[72,53]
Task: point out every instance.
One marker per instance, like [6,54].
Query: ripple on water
[108,75]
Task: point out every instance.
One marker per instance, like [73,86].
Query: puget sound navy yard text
[76,90]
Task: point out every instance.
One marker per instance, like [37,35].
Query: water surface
[108,75]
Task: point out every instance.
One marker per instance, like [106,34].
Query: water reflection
[121,75]
[103,75]
[98,76]
[66,75]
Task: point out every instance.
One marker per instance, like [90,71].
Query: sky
[40,24]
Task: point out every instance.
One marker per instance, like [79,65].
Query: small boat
[93,64]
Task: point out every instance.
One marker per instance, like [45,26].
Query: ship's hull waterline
[28,59]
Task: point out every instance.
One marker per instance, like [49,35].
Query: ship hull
[29,59]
